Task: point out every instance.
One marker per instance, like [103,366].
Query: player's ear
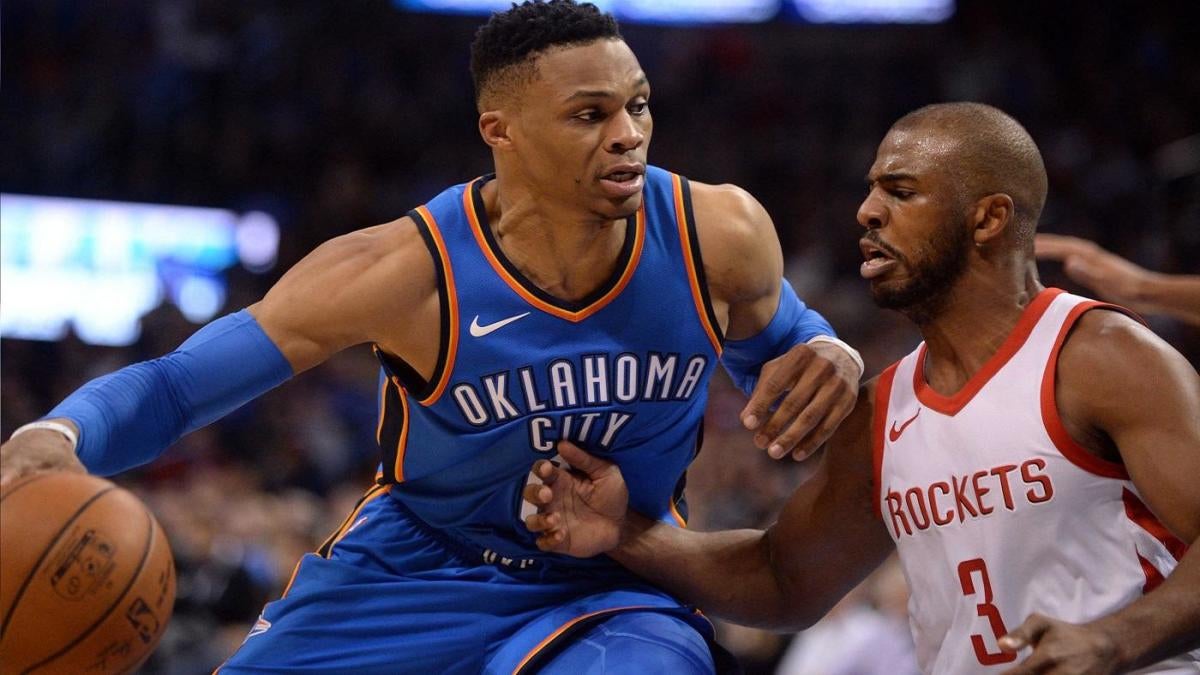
[992,217]
[493,128]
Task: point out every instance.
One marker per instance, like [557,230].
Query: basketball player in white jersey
[1035,460]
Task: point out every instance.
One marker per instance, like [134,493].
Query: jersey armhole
[1062,439]
[883,395]
[427,391]
[685,217]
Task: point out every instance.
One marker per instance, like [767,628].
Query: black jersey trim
[410,379]
[689,216]
[624,259]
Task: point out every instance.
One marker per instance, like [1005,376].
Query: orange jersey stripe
[572,316]
[566,626]
[675,514]
[452,346]
[693,280]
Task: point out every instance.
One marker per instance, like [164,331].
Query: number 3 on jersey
[984,609]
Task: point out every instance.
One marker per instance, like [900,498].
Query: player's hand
[1061,648]
[818,383]
[1110,276]
[581,507]
[35,451]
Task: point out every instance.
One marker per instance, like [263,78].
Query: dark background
[336,116]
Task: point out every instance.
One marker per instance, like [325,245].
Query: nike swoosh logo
[480,331]
[894,433]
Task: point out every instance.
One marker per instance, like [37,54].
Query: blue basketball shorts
[389,596]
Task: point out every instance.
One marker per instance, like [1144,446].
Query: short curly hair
[504,47]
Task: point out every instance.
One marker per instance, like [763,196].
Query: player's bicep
[348,291]
[828,537]
[743,261]
[1141,393]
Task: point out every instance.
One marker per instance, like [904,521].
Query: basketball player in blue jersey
[576,293]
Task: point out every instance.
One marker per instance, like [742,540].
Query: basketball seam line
[17,487]
[120,598]
[45,552]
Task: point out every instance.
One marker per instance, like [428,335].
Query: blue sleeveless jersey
[623,373]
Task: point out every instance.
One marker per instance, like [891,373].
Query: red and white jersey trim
[997,512]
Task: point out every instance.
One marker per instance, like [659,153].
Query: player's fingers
[581,460]
[542,522]
[551,541]
[807,445]
[1027,634]
[803,407]
[538,495]
[1057,246]
[776,377]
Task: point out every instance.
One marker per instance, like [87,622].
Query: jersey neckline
[627,260]
[952,404]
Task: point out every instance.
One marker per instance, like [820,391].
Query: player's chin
[616,208]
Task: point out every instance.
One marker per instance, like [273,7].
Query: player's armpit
[1117,381]
[1124,392]
[374,285]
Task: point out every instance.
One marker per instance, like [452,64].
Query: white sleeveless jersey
[997,513]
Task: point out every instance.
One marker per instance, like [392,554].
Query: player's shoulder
[1110,353]
[1105,337]
[728,208]
[741,252]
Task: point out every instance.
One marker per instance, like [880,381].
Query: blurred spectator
[1117,280]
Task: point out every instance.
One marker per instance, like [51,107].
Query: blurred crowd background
[336,116]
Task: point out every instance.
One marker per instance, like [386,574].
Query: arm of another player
[1115,279]
[353,289]
[1117,380]
[827,539]
[777,349]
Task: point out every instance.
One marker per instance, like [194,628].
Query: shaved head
[989,153]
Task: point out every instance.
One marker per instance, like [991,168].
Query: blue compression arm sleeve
[793,324]
[129,417]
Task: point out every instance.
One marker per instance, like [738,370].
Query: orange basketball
[87,582]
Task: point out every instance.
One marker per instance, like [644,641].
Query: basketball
[87,582]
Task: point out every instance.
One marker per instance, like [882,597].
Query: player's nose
[625,133]
[871,213]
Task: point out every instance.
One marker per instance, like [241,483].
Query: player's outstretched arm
[368,285]
[1122,388]
[1118,280]
[776,349]
[826,540]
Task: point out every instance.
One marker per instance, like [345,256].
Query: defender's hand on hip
[818,383]
[1061,648]
[581,507]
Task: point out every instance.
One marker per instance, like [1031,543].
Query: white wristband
[50,426]
[854,355]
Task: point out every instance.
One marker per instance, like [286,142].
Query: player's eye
[589,115]
[640,108]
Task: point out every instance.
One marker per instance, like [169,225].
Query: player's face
[917,242]
[583,127]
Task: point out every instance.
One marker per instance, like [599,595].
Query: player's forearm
[727,574]
[1162,623]
[129,417]
[1175,295]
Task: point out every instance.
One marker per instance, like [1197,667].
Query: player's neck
[978,315]
[565,252]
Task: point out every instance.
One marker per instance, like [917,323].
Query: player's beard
[931,277]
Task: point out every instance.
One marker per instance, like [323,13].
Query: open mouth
[877,261]
[624,180]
